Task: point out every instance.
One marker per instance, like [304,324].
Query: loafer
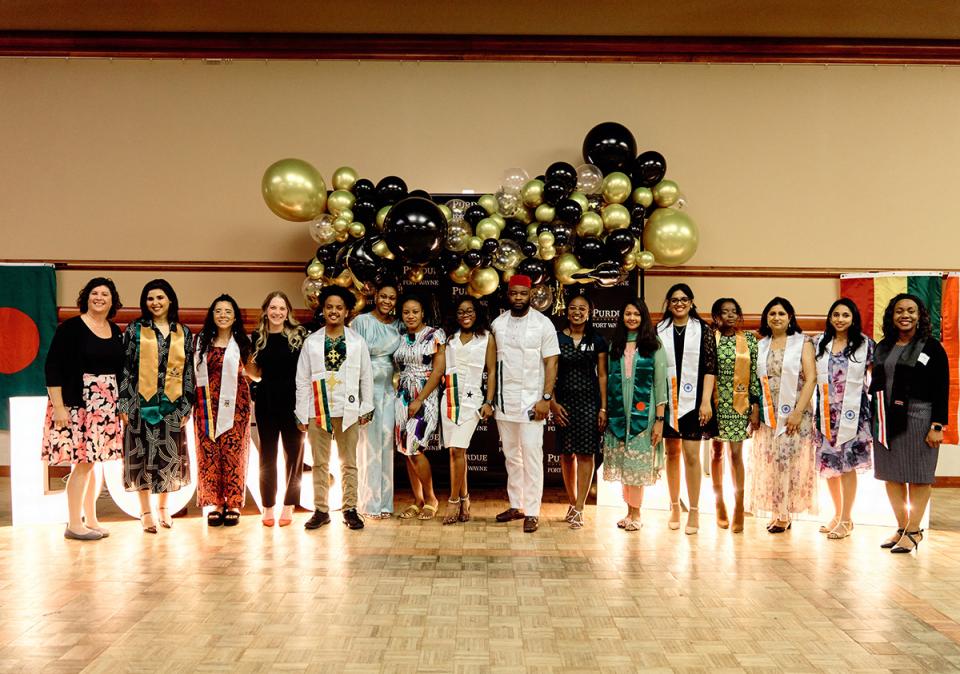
[509,515]
[317,520]
[103,531]
[530,524]
[91,535]
[352,519]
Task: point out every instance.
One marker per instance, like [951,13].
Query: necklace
[682,329]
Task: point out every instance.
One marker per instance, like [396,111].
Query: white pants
[523,452]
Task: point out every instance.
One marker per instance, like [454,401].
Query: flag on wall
[872,293]
[28,319]
[950,324]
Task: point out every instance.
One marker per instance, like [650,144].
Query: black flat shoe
[231,518]
[886,545]
[914,537]
[214,518]
[779,529]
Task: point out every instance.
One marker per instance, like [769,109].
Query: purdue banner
[485,455]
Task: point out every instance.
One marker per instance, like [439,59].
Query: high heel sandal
[152,529]
[285,518]
[166,523]
[674,507]
[899,549]
[830,526]
[777,528]
[569,516]
[464,515]
[893,540]
[689,530]
[452,516]
[576,522]
[737,526]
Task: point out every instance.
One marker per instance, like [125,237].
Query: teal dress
[636,384]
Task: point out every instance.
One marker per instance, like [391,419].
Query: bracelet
[602,409]
[487,402]
[659,419]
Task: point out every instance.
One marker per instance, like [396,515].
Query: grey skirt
[907,458]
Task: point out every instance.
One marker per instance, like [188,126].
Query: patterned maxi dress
[855,454]
[222,463]
[414,360]
[782,475]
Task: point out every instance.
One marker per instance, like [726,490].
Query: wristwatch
[936,427]
[547,397]
[659,418]
[487,402]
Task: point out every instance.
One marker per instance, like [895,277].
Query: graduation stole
[852,392]
[229,380]
[741,374]
[634,421]
[683,392]
[155,405]
[774,416]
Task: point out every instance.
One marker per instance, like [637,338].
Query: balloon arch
[590,224]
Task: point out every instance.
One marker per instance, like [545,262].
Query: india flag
[872,293]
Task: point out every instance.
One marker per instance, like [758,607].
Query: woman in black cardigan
[82,427]
[911,382]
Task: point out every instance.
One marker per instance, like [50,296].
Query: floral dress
[414,361]
[855,454]
[782,471]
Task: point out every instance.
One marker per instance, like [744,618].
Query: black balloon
[415,230]
[364,189]
[610,147]
[589,250]
[637,214]
[636,228]
[472,258]
[569,211]
[488,246]
[648,169]
[449,261]
[534,268]
[563,172]
[327,254]
[544,227]
[516,232]
[365,211]
[390,190]
[362,261]
[420,193]
[529,248]
[606,274]
[619,242]
[561,238]
[475,214]
[554,191]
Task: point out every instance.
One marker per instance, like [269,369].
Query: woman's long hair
[667,318]
[854,332]
[209,330]
[481,324]
[647,341]
[892,333]
[173,313]
[292,330]
[792,327]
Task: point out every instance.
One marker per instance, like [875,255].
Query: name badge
[923,359]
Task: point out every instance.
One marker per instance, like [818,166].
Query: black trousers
[271,427]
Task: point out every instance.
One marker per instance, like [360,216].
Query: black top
[919,374]
[690,422]
[277,388]
[76,351]
[577,369]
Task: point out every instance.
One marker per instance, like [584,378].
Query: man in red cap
[527,351]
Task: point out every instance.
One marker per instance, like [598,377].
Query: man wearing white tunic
[527,351]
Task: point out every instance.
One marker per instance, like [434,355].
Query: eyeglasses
[679,300]
[466,312]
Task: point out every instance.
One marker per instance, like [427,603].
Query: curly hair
[890,330]
[83,299]
[716,311]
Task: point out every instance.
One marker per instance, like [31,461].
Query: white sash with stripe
[852,392]
[789,377]
[683,393]
[229,378]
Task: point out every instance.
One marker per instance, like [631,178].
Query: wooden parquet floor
[481,597]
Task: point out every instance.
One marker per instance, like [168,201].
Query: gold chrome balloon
[581,199]
[499,219]
[545,238]
[523,215]
[346,214]
[591,224]
[343,236]
[294,190]
[415,275]
[532,232]
[340,225]
[615,216]
[489,203]
[488,229]
[344,178]
[315,270]
[645,259]
[484,281]
[340,201]
[382,216]
[357,230]
[380,248]
[447,213]
[547,253]
[616,188]
[461,274]
[546,213]
[344,279]
[643,196]
[629,261]
[564,267]
[671,236]
[532,194]
[665,193]
[474,243]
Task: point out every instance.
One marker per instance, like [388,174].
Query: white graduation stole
[852,392]
[229,380]
[775,417]
[683,393]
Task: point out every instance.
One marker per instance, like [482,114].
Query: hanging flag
[872,293]
[28,319]
[950,324]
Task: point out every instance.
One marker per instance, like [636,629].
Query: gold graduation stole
[741,374]
[148,376]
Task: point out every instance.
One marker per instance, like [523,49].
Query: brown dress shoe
[530,524]
[509,515]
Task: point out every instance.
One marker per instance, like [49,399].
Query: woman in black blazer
[82,426]
[911,383]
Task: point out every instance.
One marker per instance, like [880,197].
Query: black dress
[578,390]
[689,423]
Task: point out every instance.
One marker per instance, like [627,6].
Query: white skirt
[459,435]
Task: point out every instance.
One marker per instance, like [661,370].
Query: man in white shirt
[527,352]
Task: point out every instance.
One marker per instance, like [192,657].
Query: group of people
[832,406]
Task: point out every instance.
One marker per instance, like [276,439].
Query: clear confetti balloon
[311,291]
[321,230]
[457,208]
[513,179]
[507,255]
[507,203]
[589,179]
[541,297]
[458,236]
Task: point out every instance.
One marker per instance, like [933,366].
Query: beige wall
[794,165]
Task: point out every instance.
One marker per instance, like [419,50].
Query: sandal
[892,541]
[569,516]
[231,518]
[452,515]
[152,529]
[632,525]
[914,537]
[672,524]
[842,530]
[722,520]
[827,528]
[576,522]
[689,530]
[428,511]
[410,512]
[464,508]
[165,522]
[214,518]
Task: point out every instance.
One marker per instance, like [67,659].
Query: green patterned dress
[728,424]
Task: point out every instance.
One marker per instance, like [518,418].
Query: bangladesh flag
[28,319]
[872,293]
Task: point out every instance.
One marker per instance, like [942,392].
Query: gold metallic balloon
[532,231]
[294,190]
[315,270]
[616,188]
[499,219]
[340,225]
[380,248]
[547,253]
[346,214]
[488,229]
[546,213]
[507,274]
[564,267]
[645,259]
[545,238]
[671,236]
[461,274]
[382,216]
[484,281]
[629,261]
[341,238]
[643,196]
[615,216]
[489,203]
[339,201]
[532,194]
[523,215]
[665,193]
[447,213]
[344,178]
[474,243]
[591,224]
[344,279]
[357,230]
[581,199]
[359,305]
[415,275]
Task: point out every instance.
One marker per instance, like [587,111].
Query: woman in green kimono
[636,402]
